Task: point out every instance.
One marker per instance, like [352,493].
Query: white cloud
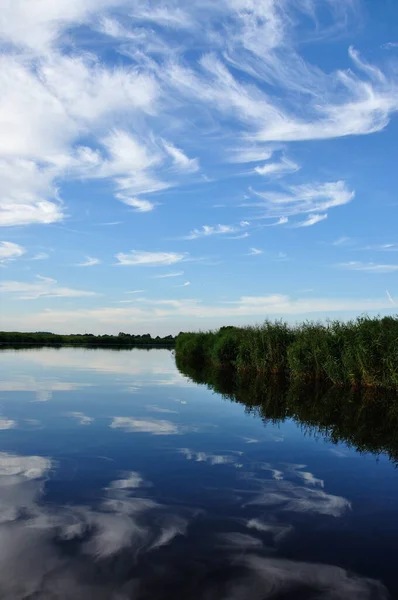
[55,101]
[138,204]
[369,267]
[180,159]
[38,26]
[40,256]
[152,426]
[277,169]
[342,241]
[209,230]
[186,284]
[149,259]
[44,287]
[10,251]
[248,154]
[390,45]
[167,275]
[304,199]
[383,247]
[89,262]
[255,252]
[311,220]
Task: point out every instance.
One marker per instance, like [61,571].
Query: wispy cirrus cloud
[370,267]
[255,252]
[383,247]
[303,199]
[390,45]
[149,259]
[180,159]
[10,251]
[40,256]
[186,284]
[89,262]
[62,110]
[277,169]
[167,275]
[342,241]
[42,287]
[311,220]
[211,230]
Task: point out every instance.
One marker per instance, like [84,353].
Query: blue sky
[171,165]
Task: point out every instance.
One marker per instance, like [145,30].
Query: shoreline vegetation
[43,338]
[357,354]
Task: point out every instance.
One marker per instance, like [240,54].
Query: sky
[168,165]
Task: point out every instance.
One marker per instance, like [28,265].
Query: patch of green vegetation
[363,352]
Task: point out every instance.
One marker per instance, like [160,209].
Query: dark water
[122,479]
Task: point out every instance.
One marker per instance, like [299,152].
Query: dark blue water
[121,479]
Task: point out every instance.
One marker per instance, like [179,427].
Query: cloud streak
[43,287]
[10,251]
[149,259]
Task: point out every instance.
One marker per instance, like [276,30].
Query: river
[121,478]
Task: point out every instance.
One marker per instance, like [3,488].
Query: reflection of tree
[366,419]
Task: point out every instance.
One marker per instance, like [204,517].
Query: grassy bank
[363,352]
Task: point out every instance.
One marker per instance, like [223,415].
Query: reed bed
[362,352]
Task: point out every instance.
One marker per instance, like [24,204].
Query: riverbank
[360,353]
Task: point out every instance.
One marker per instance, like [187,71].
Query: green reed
[362,352]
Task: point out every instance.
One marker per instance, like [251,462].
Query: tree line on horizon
[86,339]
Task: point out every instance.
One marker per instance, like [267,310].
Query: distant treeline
[363,352]
[43,338]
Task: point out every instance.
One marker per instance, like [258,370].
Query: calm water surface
[121,479]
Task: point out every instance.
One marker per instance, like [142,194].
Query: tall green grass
[363,352]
